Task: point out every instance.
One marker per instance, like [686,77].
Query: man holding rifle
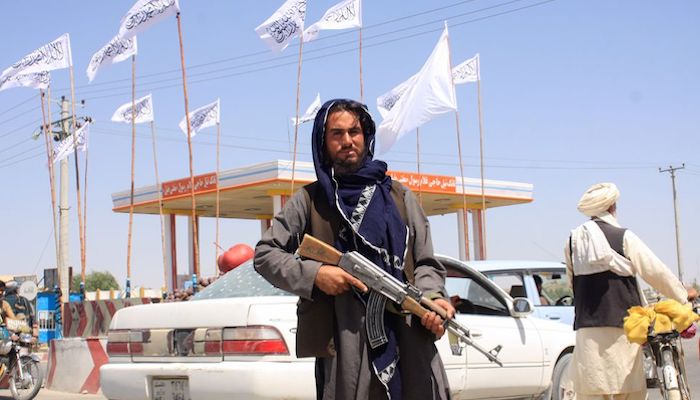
[355,206]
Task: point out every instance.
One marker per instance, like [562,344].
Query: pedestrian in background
[603,262]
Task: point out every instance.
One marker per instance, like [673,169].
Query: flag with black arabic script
[468,71]
[431,94]
[51,56]
[388,100]
[284,25]
[117,50]
[143,110]
[311,111]
[344,15]
[201,118]
[35,80]
[144,14]
[66,146]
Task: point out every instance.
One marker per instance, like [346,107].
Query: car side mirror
[522,307]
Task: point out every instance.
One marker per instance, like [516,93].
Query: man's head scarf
[370,222]
[598,199]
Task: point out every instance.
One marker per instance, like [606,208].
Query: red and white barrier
[92,318]
[74,364]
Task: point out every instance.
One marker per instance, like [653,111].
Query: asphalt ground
[690,347]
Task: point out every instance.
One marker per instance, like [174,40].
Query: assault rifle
[384,286]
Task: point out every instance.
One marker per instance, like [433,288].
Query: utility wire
[145,86]
[20,115]
[292,57]
[285,151]
[315,50]
[267,52]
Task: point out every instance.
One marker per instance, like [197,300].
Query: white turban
[598,199]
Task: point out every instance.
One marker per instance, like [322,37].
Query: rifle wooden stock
[315,249]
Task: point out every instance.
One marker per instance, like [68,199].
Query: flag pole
[85,192]
[218,144]
[189,148]
[296,121]
[482,242]
[160,206]
[459,154]
[81,228]
[52,183]
[362,92]
[420,178]
[131,186]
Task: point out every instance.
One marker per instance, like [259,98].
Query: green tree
[95,280]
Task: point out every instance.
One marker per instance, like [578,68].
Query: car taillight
[253,340]
[136,341]
[207,341]
[126,342]
[118,343]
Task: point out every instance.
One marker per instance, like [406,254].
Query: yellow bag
[666,315]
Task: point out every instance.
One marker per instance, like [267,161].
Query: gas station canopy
[248,192]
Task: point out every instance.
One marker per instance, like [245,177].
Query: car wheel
[562,387]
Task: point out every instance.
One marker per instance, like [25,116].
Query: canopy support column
[478,232]
[191,228]
[463,234]
[170,253]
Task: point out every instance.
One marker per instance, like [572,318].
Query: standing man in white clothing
[603,262]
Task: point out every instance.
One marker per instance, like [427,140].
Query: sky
[573,92]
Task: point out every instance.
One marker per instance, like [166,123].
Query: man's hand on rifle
[334,280]
[433,322]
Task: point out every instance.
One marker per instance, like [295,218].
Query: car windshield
[242,281]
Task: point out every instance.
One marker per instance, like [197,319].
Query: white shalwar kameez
[605,365]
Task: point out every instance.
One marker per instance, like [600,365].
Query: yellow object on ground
[666,315]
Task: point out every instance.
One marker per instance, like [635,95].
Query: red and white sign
[425,182]
[182,186]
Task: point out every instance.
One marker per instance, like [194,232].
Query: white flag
[66,146]
[35,80]
[286,23]
[344,15]
[55,55]
[311,112]
[430,95]
[143,108]
[467,71]
[115,51]
[388,100]
[144,14]
[201,118]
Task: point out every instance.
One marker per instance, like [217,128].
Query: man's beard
[346,167]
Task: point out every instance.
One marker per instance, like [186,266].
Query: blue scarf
[371,225]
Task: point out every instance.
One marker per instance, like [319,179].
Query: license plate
[170,389]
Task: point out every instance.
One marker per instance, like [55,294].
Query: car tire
[558,389]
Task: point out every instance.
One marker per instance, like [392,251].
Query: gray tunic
[349,374]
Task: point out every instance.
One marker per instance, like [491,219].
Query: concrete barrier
[74,364]
[91,318]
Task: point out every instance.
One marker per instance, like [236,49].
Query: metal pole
[672,170]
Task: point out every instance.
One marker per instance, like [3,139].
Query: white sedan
[236,340]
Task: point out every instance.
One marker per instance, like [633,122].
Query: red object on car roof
[235,256]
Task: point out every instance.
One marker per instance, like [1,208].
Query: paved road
[692,364]
[45,394]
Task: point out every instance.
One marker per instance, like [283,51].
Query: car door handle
[554,317]
[475,334]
